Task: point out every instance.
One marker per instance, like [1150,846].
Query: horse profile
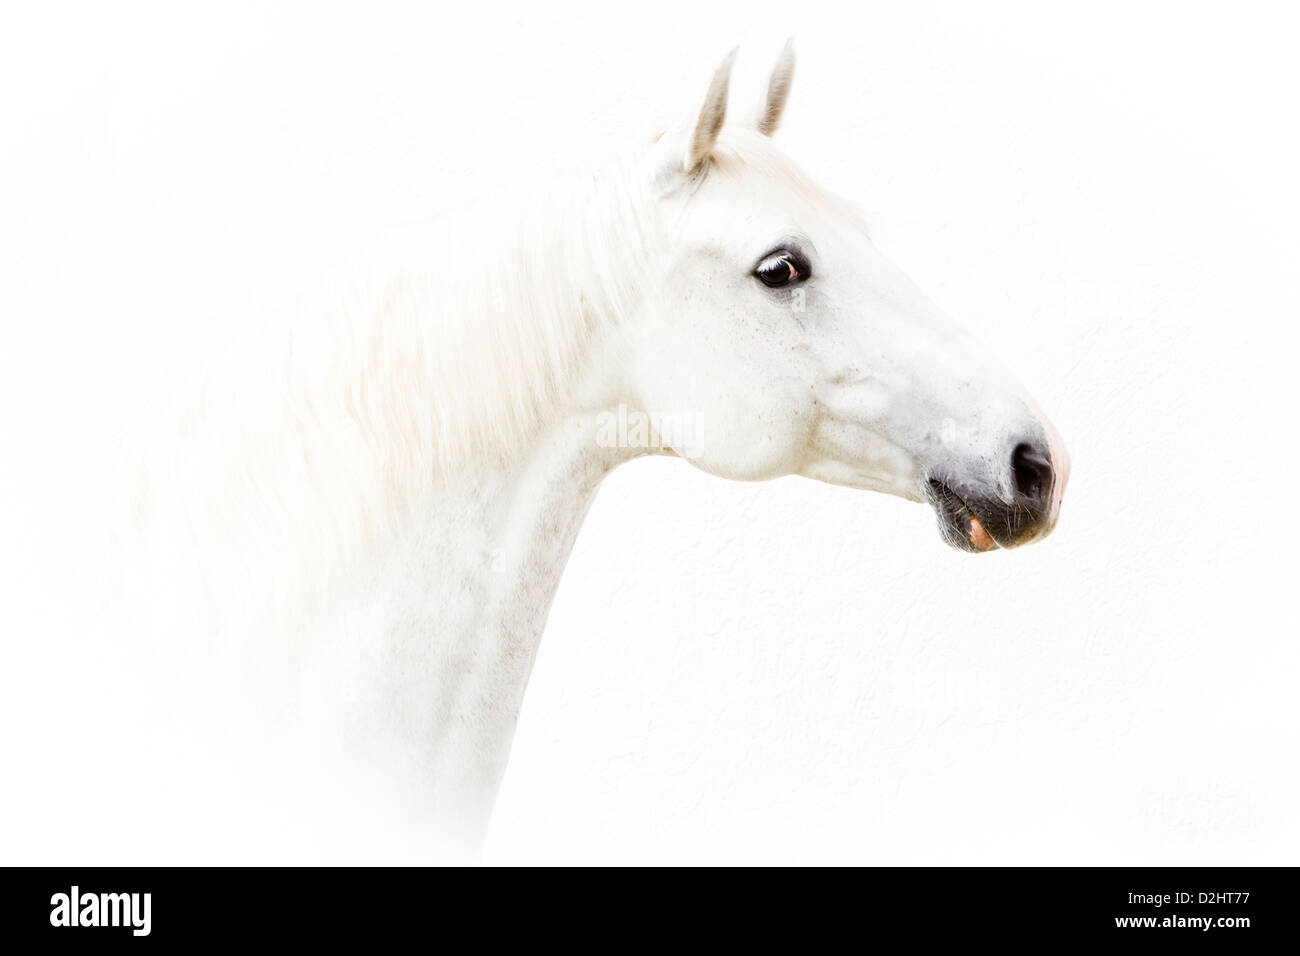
[382,496]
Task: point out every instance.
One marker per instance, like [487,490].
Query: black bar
[1049,905]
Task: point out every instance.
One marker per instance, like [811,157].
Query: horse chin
[958,524]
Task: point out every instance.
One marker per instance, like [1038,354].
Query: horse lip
[959,523]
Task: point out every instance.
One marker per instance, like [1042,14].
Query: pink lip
[979,538]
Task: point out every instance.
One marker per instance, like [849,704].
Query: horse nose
[1032,477]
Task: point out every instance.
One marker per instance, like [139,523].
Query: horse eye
[779,269]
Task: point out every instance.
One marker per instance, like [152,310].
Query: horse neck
[461,591]
[326,493]
[463,598]
[417,656]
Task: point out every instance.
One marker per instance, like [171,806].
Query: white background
[786,671]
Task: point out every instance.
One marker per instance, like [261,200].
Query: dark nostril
[1031,471]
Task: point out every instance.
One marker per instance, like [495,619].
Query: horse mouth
[960,526]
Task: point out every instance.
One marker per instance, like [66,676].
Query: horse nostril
[1031,472]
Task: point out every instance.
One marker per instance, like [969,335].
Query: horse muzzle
[1018,506]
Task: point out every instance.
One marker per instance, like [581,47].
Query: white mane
[440,351]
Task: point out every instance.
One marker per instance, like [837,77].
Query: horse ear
[712,115]
[778,90]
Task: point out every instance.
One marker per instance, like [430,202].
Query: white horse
[384,497]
